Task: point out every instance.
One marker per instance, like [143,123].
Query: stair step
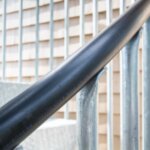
[10,90]
[55,134]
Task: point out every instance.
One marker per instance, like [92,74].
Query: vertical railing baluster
[133,48]
[146,86]
[37,41]
[4,33]
[51,39]
[109,86]
[66,45]
[129,92]
[135,93]
[122,10]
[82,22]
[87,115]
[66,29]
[95,17]
[122,6]
[129,109]
[20,47]
[108,12]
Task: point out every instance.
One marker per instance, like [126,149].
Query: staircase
[29,39]
[28,75]
[47,135]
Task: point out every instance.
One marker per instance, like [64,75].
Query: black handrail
[23,114]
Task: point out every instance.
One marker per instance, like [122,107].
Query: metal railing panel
[146,86]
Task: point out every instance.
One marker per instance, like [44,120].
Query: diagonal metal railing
[24,113]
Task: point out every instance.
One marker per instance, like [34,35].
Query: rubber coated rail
[26,112]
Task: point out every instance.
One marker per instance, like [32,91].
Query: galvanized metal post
[37,41]
[146,86]
[129,92]
[20,46]
[51,39]
[129,109]
[109,86]
[87,115]
[133,48]
[66,45]
[4,33]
